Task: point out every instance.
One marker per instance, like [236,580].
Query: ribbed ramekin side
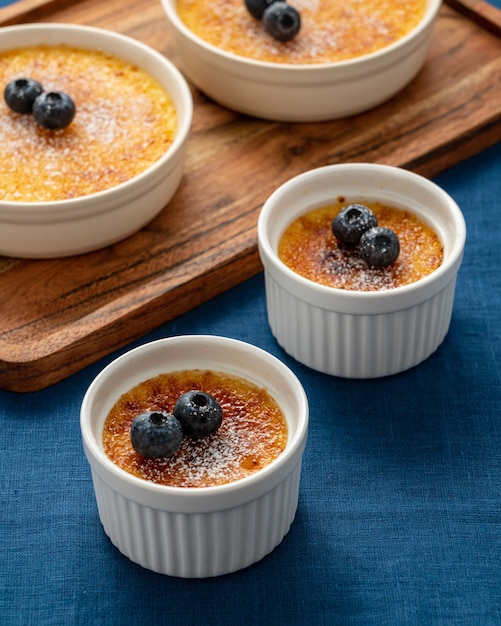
[358,345]
[198,545]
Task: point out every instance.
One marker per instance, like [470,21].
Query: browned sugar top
[125,121]
[330,31]
[309,247]
[253,432]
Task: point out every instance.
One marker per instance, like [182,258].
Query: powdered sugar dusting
[125,121]
[309,247]
[252,434]
[330,31]
[348,271]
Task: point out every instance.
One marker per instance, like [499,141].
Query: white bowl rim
[182,132]
[325,292]
[198,493]
[432,8]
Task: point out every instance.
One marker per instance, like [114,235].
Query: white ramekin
[199,532]
[300,93]
[360,334]
[77,225]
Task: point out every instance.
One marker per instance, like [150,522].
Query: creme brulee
[330,31]
[253,432]
[309,248]
[125,121]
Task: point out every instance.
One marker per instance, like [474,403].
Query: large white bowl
[74,226]
[206,531]
[300,93]
[358,334]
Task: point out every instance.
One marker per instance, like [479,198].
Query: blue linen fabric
[399,518]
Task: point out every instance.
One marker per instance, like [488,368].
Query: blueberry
[379,247]
[352,222]
[281,21]
[257,7]
[155,434]
[20,94]
[54,109]
[199,413]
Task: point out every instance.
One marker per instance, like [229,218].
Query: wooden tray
[57,316]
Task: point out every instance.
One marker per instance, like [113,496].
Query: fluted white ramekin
[360,334]
[207,531]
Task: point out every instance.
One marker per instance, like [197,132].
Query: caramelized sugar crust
[253,432]
[310,249]
[330,31]
[125,121]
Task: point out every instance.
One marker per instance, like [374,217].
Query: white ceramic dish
[300,93]
[74,226]
[360,334]
[206,531]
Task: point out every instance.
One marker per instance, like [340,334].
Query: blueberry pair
[52,110]
[356,225]
[156,434]
[280,20]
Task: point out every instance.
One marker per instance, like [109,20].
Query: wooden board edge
[24,11]
[464,146]
[39,373]
[486,15]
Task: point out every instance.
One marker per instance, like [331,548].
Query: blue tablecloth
[399,518]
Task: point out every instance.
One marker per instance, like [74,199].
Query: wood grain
[31,10]
[483,13]
[57,316]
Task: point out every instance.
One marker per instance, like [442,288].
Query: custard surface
[125,121]
[330,31]
[253,432]
[310,249]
